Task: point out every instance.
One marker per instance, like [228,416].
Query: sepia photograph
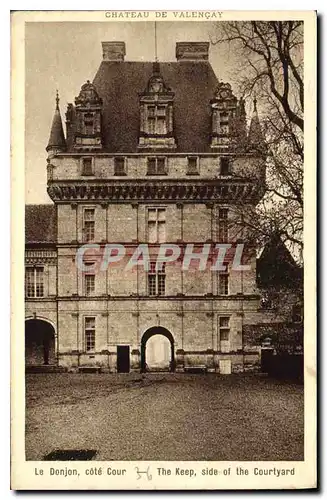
[164,248]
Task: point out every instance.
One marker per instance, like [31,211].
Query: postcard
[163,250]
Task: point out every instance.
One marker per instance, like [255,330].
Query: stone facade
[105,322]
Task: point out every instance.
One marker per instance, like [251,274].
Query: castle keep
[152,153]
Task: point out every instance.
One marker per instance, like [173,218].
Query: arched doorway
[151,332]
[39,343]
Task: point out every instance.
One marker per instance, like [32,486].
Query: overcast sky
[64,55]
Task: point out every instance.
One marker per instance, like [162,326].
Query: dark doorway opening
[39,343]
[123,360]
[267,358]
[157,330]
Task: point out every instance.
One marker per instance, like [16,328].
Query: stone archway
[157,330]
[39,343]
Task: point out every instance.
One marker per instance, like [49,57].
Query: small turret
[57,142]
[241,118]
[255,137]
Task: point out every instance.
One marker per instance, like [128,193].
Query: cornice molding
[128,191]
[33,257]
[185,154]
[163,298]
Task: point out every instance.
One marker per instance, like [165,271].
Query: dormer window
[223,109]
[157,120]
[156,113]
[157,166]
[119,166]
[84,120]
[224,166]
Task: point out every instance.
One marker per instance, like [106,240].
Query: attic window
[119,166]
[192,166]
[157,166]
[87,167]
[224,166]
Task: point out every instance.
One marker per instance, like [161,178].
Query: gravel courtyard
[164,416]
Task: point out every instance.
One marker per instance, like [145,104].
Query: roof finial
[57,99]
[256,136]
[155,42]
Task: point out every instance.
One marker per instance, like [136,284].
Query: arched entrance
[151,332]
[39,343]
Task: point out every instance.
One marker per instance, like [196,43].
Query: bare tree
[271,68]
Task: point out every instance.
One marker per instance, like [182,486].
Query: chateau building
[153,153]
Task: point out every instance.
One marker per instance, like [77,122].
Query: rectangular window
[157,120]
[223,225]
[152,164]
[161,111]
[157,166]
[151,111]
[223,282]
[224,328]
[192,165]
[34,282]
[151,125]
[157,225]
[224,123]
[119,167]
[224,166]
[89,334]
[161,125]
[89,280]
[89,127]
[89,224]
[156,279]
[89,124]
[87,168]
[161,166]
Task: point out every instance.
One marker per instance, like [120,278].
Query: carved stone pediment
[88,95]
[224,92]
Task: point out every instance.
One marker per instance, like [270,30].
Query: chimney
[113,51]
[192,51]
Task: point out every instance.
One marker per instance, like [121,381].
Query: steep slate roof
[119,84]
[57,137]
[40,223]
